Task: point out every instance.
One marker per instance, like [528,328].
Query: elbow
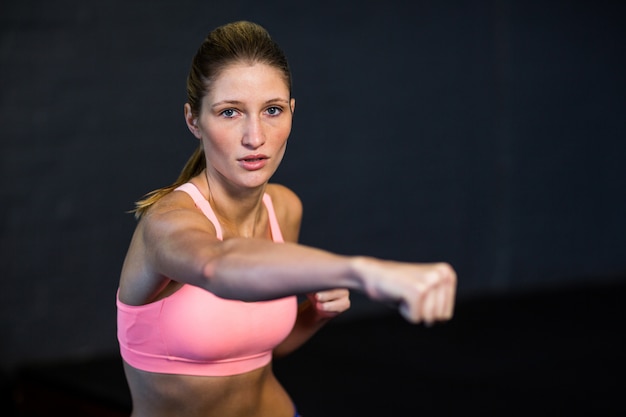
[216,266]
[218,275]
[207,271]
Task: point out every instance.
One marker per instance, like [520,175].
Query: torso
[256,393]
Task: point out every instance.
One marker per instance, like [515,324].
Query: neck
[239,212]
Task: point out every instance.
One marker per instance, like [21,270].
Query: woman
[208,289]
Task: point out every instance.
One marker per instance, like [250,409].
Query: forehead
[248,81]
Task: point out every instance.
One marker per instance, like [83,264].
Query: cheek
[218,140]
[281,142]
[283,131]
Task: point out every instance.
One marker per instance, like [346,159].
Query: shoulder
[288,208]
[172,202]
[174,211]
[283,197]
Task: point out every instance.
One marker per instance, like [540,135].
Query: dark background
[489,134]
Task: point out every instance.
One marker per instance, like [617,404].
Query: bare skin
[254,394]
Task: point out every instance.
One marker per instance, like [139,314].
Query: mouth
[253,162]
[253,158]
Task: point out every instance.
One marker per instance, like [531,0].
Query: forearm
[254,269]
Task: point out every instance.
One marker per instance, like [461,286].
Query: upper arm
[288,208]
[178,240]
[173,242]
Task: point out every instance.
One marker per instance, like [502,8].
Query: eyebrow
[237,102]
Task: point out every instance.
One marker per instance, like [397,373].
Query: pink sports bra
[194,332]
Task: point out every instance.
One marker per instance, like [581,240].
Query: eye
[274,111]
[228,113]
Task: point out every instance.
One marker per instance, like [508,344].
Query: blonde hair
[234,42]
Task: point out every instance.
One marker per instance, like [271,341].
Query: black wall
[490,134]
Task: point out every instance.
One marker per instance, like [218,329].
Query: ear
[292,104]
[192,121]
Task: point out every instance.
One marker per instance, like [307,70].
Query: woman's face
[244,123]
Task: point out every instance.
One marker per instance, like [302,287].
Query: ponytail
[193,167]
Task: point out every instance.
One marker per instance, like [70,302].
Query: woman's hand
[330,303]
[313,313]
[423,293]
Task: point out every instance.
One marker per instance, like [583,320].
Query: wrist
[361,272]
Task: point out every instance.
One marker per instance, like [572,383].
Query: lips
[253,162]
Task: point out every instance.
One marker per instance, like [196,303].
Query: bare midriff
[253,394]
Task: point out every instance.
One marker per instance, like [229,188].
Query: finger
[445,290]
[329,295]
[442,302]
[429,306]
[338,305]
[448,300]
[451,299]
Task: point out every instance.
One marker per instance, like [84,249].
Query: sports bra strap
[203,205]
[277,235]
[206,208]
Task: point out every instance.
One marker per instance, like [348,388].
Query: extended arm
[181,244]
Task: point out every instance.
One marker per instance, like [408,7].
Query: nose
[254,134]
